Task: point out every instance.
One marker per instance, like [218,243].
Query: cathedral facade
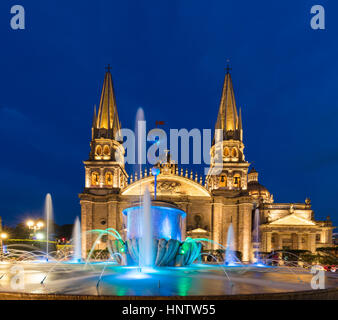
[231,196]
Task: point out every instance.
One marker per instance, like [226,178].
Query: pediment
[198,230]
[293,219]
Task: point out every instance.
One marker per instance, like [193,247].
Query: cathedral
[232,196]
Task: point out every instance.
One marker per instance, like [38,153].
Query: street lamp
[3,236]
[30,224]
[40,225]
[34,225]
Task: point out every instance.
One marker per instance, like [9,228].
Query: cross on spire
[108,68]
[228,66]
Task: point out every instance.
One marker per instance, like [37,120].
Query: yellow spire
[227,115]
[107,117]
[227,118]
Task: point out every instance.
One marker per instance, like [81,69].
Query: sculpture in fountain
[154,235]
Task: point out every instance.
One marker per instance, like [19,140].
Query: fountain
[154,238]
[230,255]
[140,132]
[256,239]
[48,213]
[76,239]
[146,252]
[154,234]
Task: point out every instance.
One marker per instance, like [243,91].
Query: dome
[255,189]
[255,186]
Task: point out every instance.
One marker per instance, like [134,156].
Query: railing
[193,176]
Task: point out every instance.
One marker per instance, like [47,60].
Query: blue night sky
[168,57]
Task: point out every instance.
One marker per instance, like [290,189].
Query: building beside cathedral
[211,204]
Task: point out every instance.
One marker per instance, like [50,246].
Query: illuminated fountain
[48,213]
[230,255]
[154,238]
[154,235]
[76,239]
[256,239]
[144,220]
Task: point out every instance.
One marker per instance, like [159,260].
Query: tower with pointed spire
[105,167]
[228,169]
[105,174]
[227,176]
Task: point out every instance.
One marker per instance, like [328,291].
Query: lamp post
[155,172]
[35,226]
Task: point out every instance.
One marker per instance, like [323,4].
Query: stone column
[245,230]
[112,215]
[86,224]
[235,219]
[102,177]
[329,237]
[119,217]
[115,178]
[312,242]
[217,223]
[268,241]
[294,241]
[279,241]
[300,241]
[87,178]
[325,236]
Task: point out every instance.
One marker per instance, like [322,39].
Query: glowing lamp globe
[155,171]
[39,236]
[3,235]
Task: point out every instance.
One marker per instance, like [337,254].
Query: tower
[228,169]
[105,174]
[227,176]
[105,167]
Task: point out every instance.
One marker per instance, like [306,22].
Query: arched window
[223,181]
[226,152]
[234,153]
[237,180]
[198,220]
[106,150]
[95,178]
[109,178]
[98,150]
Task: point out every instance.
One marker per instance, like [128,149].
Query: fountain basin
[166,221]
[162,224]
